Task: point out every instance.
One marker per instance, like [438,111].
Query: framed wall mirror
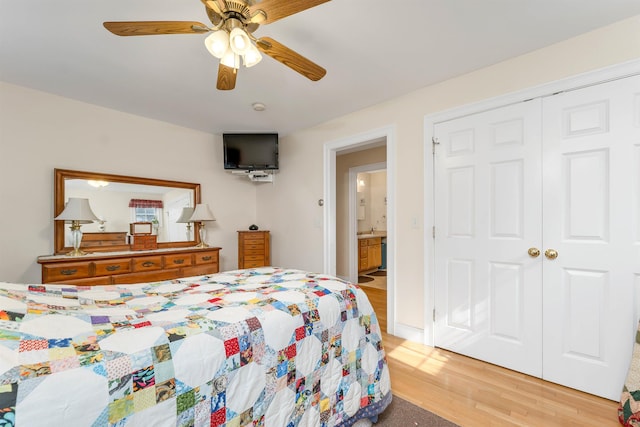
[118,201]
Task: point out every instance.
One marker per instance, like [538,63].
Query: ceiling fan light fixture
[252,56]
[230,59]
[239,41]
[217,43]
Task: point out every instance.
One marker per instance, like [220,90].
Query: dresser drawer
[146,277]
[115,266]
[249,252]
[66,271]
[254,246]
[253,264]
[177,261]
[253,235]
[251,258]
[210,257]
[147,263]
[90,281]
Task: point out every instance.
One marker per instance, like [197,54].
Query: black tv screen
[250,151]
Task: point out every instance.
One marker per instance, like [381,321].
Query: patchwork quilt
[261,347]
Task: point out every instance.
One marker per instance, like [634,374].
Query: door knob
[551,253]
[534,252]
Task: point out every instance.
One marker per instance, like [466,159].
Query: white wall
[291,202]
[40,132]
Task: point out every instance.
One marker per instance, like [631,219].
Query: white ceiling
[373,50]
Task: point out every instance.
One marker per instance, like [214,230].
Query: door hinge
[434,314]
[433,231]
[434,142]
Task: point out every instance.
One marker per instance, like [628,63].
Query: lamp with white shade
[202,214]
[185,218]
[77,211]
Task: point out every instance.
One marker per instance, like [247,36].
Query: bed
[259,347]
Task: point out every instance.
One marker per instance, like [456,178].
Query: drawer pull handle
[148,264]
[68,272]
[113,267]
[178,261]
[206,258]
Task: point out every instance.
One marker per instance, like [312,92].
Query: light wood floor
[474,393]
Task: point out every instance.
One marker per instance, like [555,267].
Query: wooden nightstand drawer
[115,266]
[210,257]
[177,261]
[147,263]
[66,271]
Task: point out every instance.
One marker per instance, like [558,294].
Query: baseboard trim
[410,333]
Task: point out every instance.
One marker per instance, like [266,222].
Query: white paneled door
[488,210]
[591,218]
[537,248]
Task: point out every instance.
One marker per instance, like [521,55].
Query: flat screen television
[250,151]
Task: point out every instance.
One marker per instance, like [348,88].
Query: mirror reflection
[119,201]
[118,204]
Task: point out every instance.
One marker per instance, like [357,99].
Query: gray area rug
[401,413]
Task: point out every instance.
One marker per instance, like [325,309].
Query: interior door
[591,219]
[488,290]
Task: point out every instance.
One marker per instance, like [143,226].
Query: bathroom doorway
[368,221]
[339,242]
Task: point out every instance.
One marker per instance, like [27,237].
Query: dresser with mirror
[118,201]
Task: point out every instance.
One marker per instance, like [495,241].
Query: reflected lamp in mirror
[76,212]
[185,218]
[202,214]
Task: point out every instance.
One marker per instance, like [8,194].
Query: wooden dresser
[106,268]
[253,249]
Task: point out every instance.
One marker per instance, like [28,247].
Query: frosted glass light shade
[77,209]
[217,43]
[230,59]
[252,57]
[239,41]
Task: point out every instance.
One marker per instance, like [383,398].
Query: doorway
[385,138]
[367,229]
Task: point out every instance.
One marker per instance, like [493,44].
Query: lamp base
[202,245]
[76,252]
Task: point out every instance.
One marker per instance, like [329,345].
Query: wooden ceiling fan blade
[226,77]
[218,6]
[278,9]
[150,28]
[291,59]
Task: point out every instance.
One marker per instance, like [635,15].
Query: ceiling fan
[231,39]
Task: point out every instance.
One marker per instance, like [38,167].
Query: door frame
[579,81]
[330,149]
[353,221]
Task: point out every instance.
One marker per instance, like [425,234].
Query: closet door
[591,219]
[488,291]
